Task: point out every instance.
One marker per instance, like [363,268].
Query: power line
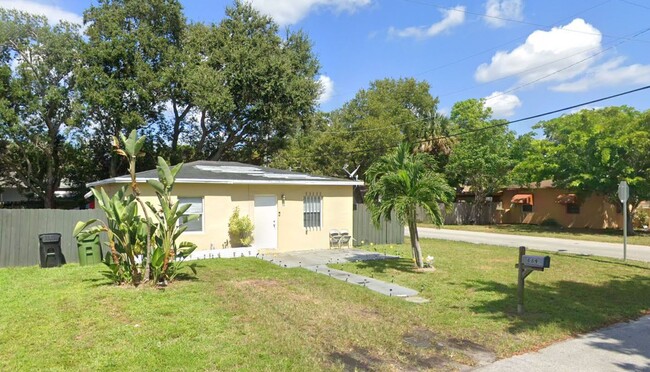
[565,68]
[636,4]
[505,123]
[523,71]
[507,91]
[508,42]
[517,21]
[523,36]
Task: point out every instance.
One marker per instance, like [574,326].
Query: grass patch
[252,315]
[594,235]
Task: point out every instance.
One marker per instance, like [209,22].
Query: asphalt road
[623,347]
[634,252]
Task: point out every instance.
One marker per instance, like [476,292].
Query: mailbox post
[526,265]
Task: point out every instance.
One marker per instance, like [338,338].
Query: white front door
[266,218]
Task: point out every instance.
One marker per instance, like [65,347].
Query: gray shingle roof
[220,172]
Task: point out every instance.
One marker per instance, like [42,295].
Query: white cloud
[610,73]
[545,53]
[497,9]
[450,18]
[503,105]
[286,12]
[53,13]
[327,89]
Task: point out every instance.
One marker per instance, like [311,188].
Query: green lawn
[249,314]
[594,235]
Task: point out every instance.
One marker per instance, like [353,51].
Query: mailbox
[537,262]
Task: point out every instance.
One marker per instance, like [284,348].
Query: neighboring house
[290,210]
[538,203]
[11,197]
[10,194]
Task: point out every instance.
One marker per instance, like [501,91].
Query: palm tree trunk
[415,242]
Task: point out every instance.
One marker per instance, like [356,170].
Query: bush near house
[240,230]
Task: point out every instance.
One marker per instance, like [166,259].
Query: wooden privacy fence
[461,214]
[19,230]
[389,232]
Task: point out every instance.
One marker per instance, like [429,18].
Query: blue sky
[526,57]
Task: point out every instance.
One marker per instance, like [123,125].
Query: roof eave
[118,180]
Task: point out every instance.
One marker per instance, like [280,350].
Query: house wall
[220,201]
[595,211]
[11,194]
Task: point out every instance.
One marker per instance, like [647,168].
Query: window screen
[312,209]
[196,208]
[573,208]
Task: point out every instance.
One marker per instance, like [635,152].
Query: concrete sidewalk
[634,252]
[623,347]
[318,260]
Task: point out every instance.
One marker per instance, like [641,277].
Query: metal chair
[345,238]
[335,238]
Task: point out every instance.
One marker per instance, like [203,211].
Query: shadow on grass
[605,261]
[98,282]
[105,281]
[572,306]
[380,266]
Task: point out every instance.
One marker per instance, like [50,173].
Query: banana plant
[131,151]
[125,230]
[171,223]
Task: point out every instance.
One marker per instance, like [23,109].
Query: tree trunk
[176,131]
[630,217]
[415,241]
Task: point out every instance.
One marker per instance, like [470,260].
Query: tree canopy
[236,90]
[39,101]
[370,125]
[482,157]
[591,151]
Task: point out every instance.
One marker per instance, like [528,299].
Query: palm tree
[401,182]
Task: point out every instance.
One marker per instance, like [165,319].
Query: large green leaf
[82,226]
[163,168]
[157,186]
[158,258]
[185,249]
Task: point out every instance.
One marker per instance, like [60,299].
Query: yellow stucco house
[290,210]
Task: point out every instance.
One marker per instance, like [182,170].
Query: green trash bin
[90,252]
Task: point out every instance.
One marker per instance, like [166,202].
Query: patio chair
[335,238]
[345,238]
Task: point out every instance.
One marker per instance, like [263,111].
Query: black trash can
[50,248]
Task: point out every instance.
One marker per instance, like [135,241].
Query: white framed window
[312,211]
[196,208]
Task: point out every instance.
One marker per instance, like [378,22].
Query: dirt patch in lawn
[357,359]
[424,349]
[423,338]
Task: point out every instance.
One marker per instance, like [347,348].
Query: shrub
[240,230]
[550,222]
[640,219]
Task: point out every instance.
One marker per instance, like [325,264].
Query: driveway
[623,347]
[634,252]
